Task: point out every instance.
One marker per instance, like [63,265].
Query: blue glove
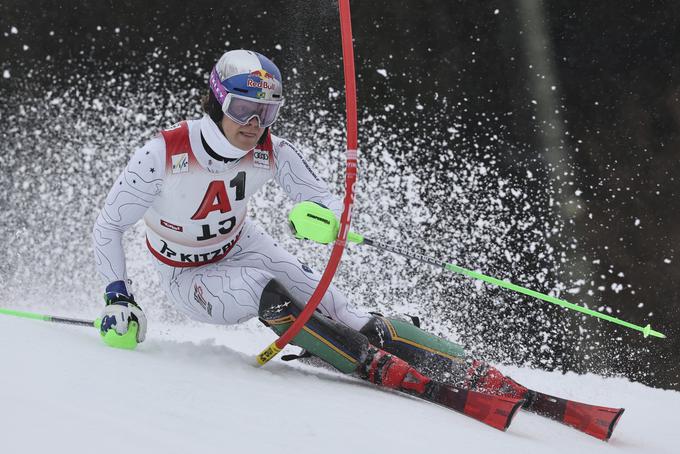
[122,317]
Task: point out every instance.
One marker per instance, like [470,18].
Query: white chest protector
[199,214]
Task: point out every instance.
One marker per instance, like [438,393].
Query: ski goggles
[242,108]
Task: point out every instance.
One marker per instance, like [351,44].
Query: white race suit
[213,261]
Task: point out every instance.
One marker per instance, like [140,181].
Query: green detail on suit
[317,345]
[406,332]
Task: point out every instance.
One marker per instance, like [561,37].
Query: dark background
[613,69]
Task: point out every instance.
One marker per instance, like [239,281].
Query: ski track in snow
[195,388]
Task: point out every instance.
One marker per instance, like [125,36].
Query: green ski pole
[311,221]
[51,318]
[127,341]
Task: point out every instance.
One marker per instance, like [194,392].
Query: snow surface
[194,388]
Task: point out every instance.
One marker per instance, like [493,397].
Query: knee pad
[341,346]
[432,355]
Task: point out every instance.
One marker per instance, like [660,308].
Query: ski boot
[482,377]
[392,372]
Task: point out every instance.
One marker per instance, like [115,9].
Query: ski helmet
[241,76]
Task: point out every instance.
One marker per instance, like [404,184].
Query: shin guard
[338,345]
[432,355]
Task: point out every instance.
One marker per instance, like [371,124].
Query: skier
[191,185]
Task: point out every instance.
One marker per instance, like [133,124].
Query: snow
[194,388]
[491,213]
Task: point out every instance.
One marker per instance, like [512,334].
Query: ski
[593,420]
[495,411]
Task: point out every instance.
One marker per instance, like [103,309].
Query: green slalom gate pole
[314,222]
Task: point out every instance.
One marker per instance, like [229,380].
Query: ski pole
[127,341]
[51,318]
[311,221]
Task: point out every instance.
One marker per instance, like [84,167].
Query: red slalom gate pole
[350,180]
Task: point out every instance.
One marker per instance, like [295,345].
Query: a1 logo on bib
[261,159]
[180,163]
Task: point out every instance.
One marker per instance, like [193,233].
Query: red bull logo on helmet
[261,79]
[261,84]
[262,74]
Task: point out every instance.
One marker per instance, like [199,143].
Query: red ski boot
[483,378]
[392,372]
